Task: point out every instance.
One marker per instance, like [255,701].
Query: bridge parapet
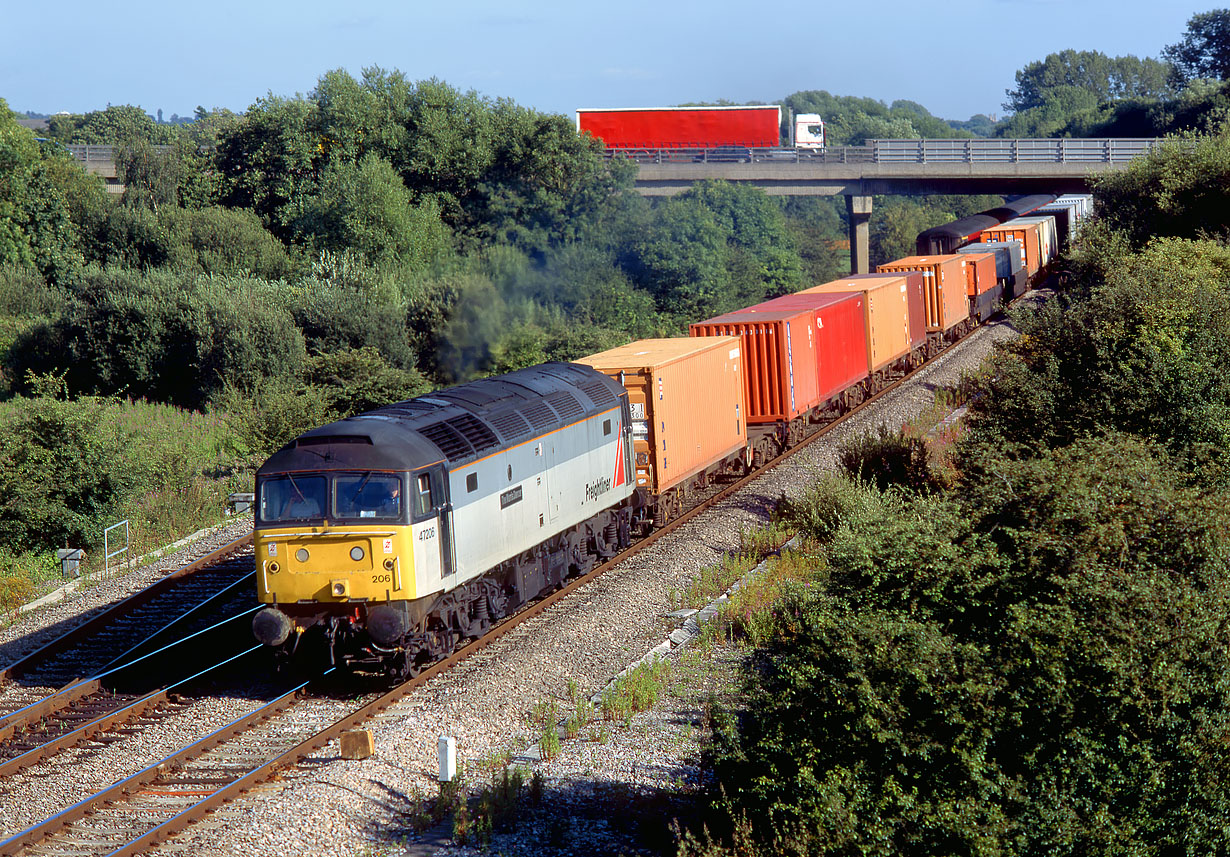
[1061,150]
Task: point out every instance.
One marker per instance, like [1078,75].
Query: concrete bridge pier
[859,209]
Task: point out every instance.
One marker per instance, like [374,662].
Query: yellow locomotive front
[333,538]
[334,550]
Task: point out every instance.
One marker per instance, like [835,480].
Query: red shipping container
[841,329]
[916,299]
[780,354]
[683,127]
[889,315]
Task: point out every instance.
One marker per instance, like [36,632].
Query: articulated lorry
[752,127]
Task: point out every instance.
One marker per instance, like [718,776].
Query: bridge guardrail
[1009,150]
[94,153]
[86,154]
[980,150]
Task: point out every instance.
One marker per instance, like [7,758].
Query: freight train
[393,536]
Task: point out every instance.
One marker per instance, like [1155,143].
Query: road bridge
[885,167]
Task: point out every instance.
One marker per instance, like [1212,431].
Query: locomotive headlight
[339,588]
[273,567]
[301,555]
[388,564]
[356,553]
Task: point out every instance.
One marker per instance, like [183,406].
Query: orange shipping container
[1028,234]
[979,274]
[686,396]
[887,307]
[945,276]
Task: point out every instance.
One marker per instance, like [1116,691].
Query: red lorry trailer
[684,127]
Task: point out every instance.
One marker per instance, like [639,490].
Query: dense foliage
[1037,666]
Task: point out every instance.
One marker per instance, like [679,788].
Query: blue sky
[556,56]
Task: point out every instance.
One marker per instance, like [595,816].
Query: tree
[1034,666]
[367,208]
[1180,189]
[1137,346]
[1058,109]
[150,177]
[763,260]
[36,227]
[682,260]
[268,160]
[850,121]
[1105,78]
[1204,50]
[117,124]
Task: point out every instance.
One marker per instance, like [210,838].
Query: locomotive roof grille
[448,439]
[540,416]
[598,393]
[566,405]
[475,431]
[511,424]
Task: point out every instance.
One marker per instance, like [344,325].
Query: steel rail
[93,624]
[58,702]
[121,790]
[111,720]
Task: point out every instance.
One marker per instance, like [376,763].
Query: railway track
[122,630]
[125,676]
[168,795]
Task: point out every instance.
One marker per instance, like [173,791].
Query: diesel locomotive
[396,534]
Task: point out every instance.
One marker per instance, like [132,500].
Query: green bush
[1137,345]
[345,304]
[1038,667]
[68,469]
[163,337]
[224,242]
[270,414]
[826,505]
[62,472]
[353,381]
[889,459]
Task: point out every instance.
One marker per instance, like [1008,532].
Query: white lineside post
[448,759]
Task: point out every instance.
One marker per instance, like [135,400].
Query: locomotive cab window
[293,498]
[472,482]
[367,495]
[423,503]
[606,427]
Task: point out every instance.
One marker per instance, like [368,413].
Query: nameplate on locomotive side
[512,495]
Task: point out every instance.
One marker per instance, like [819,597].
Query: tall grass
[171,467]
